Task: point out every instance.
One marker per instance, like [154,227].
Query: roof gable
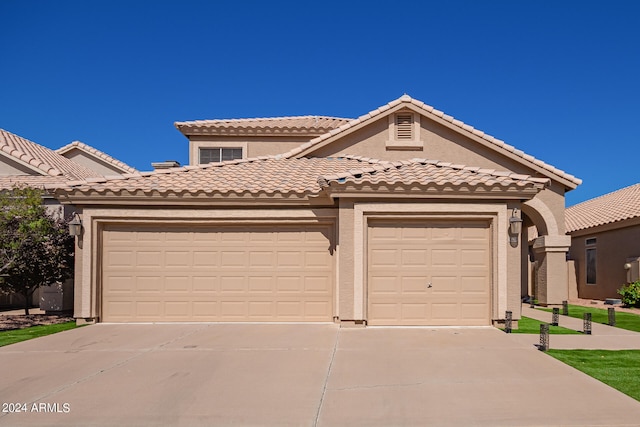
[41,160]
[618,206]
[100,157]
[407,103]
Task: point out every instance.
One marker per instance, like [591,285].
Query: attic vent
[404,127]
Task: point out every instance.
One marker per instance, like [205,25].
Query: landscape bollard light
[587,323]
[532,302]
[612,316]
[544,337]
[555,316]
[508,320]
[565,308]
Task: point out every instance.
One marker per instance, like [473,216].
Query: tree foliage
[35,247]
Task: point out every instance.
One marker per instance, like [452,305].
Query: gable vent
[404,127]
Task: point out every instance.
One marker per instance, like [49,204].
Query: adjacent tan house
[403,216]
[605,242]
[24,162]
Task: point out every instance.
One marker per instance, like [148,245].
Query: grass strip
[628,321]
[527,325]
[619,369]
[12,337]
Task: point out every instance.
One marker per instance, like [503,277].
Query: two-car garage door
[217,273]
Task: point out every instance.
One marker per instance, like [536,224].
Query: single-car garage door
[429,273]
[217,273]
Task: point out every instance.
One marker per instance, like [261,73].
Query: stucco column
[552,286]
[345,310]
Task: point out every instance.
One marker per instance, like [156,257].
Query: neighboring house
[605,242]
[403,216]
[93,159]
[23,162]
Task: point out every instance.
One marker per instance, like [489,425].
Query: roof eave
[430,191]
[174,198]
[600,228]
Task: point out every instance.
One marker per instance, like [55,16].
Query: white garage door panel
[404,257]
[255,273]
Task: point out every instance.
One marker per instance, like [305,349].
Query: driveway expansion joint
[326,379]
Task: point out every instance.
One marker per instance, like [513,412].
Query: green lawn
[627,321]
[526,325]
[11,337]
[618,368]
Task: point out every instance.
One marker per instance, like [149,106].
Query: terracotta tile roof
[301,176]
[98,154]
[42,159]
[307,125]
[428,110]
[262,175]
[423,171]
[613,207]
[36,181]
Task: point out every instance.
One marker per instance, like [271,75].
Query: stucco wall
[9,167]
[613,248]
[92,163]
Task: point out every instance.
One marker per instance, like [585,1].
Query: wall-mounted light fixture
[75,225]
[515,227]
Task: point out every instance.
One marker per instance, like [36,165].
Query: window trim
[196,145]
[590,246]
[220,153]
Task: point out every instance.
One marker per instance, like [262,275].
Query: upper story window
[404,131]
[219,154]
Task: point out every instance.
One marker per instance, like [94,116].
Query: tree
[35,247]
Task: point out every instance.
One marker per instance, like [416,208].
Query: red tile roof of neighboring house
[614,207]
[125,168]
[37,181]
[307,125]
[41,159]
[270,175]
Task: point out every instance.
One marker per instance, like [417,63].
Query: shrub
[630,294]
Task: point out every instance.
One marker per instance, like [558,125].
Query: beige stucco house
[605,242]
[24,162]
[399,217]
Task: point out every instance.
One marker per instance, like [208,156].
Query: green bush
[630,294]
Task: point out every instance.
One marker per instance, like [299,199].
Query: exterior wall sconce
[75,225]
[515,227]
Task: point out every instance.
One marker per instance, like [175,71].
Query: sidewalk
[20,311]
[602,337]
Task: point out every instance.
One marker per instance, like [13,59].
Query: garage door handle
[429,285]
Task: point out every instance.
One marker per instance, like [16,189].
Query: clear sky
[558,79]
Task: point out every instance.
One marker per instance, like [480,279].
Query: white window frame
[220,153]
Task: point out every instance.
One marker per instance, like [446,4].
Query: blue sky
[559,80]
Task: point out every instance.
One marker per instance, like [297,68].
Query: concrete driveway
[287,374]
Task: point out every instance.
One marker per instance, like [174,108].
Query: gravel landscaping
[9,322]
